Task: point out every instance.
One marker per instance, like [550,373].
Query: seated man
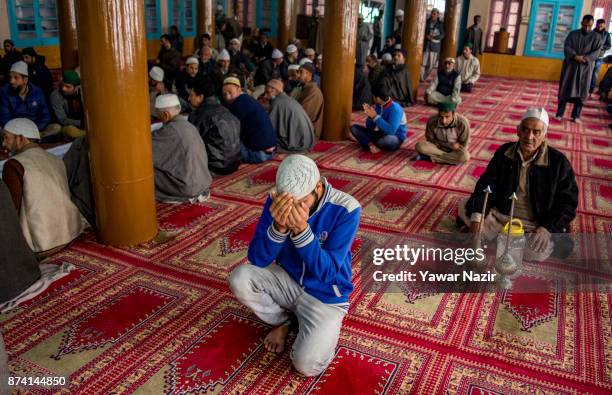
[187,78]
[294,129]
[448,135]
[180,162]
[21,99]
[219,129]
[257,135]
[375,70]
[445,85]
[68,106]
[274,68]
[156,87]
[299,275]
[468,68]
[292,54]
[292,87]
[311,97]
[48,224]
[38,72]
[397,81]
[544,183]
[206,66]
[362,90]
[386,125]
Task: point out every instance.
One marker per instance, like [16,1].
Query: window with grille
[266,16]
[549,24]
[183,14]
[506,14]
[310,6]
[33,22]
[152,19]
[245,12]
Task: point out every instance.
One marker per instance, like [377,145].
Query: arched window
[506,14]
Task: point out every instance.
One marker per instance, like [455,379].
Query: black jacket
[184,82]
[268,70]
[40,76]
[220,131]
[552,186]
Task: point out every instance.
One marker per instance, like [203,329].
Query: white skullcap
[387,56]
[156,74]
[168,100]
[304,60]
[397,46]
[399,12]
[276,54]
[235,40]
[310,51]
[219,7]
[224,55]
[294,67]
[23,127]
[536,112]
[291,48]
[191,60]
[320,57]
[20,67]
[298,175]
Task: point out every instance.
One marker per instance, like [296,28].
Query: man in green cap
[67,105]
[468,67]
[448,135]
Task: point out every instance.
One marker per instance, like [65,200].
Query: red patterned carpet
[159,318]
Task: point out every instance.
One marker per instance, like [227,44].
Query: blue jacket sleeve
[5,113]
[325,262]
[267,242]
[43,118]
[390,125]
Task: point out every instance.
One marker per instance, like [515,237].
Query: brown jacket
[311,98]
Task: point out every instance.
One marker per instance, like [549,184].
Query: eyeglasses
[536,132]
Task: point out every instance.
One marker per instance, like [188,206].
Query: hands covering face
[288,214]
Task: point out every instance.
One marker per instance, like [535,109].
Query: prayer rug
[159,317]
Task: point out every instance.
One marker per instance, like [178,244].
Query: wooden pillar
[111,35]
[340,38]
[206,19]
[286,18]
[452,21]
[413,39]
[66,14]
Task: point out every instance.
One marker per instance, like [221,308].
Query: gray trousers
[272,295]
[430,62]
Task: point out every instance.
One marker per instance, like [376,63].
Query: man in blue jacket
[386,124]
[21,99]
[300,264]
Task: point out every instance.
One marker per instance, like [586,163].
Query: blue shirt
[256,130]
[318,259]
[390,120]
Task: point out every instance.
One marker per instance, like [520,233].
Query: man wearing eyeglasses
[544,182]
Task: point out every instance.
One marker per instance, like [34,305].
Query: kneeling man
[180,162]
[300,264]
[544,182]
[448,135]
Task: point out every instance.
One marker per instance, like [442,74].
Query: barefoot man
[299,274]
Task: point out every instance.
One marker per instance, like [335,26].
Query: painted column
[452,20]
[112,39]
[66,15]
[413,38]
[286,17]
[389,19]
[206,19]
[340,37]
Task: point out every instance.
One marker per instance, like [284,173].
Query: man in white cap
[386,59]
[263,49]
[292,54]
[274,68]
[38,186]
[180,162]
[310,54]
[445,86]
[299,271]
[399,23]
[257,135]
[292,87]
[21,99]
[544,183]
[156,87]
[238,59]
[364,36]
[311,97]
[188,77]
[294,129]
